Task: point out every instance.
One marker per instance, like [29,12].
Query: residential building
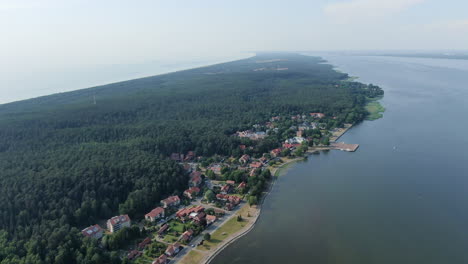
[244,159]
[187,236]
[256,165]
[118,222]
[161,260]
[317,115]
[94,231]
[210,219]
[173,249]
[155,214]
[191,192]
[171,201]
[163,229]
[144,243]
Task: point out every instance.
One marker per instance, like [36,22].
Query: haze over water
[401,198]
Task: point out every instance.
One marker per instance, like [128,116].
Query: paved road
[210,229]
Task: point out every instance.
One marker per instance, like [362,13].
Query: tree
[239,218]
[253,200]
[210,174]
[207,236]
[209,195]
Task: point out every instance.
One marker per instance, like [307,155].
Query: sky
[49,46]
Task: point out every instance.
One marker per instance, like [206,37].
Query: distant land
[73,160]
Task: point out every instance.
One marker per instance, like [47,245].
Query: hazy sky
[57,45]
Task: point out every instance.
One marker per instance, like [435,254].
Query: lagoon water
[401,198]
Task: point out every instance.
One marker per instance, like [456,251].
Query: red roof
[210,218]
[119,219]
[163,228]
[144,243]
[155,212]
[171,199]
[287,145]
[230,182]
[161,260]
[256,164]
[192,190]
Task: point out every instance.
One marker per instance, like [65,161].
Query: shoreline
[276,173]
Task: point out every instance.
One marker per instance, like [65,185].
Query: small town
[222,199]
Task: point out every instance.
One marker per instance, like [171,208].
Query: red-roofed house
[256,165]
[210,219]
[187,236]
[291,146]
[191,192]
[171,201]
[161,260]
[230,182]
[163,229]
[94,231]
[195,181]
[242,147]
[118,222]
[226,189]
[173,249]
[144,243]
[155,214]
[244,159]
[276,152]
[221,197]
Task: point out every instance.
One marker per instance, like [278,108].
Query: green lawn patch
[375,110]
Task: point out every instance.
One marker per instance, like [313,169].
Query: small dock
[343,146]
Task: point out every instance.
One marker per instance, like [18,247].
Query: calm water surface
[401,198]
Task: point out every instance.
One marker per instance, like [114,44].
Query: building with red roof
[191,192]
[161,260]
[155,214]
[171,201]
[118,222]
[187,236]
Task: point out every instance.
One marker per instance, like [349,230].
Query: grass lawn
[230,227]
[375,110]
[170,238]
[176,226]
[193,257]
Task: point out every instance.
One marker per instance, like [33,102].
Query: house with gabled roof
[155,214]
[171,201]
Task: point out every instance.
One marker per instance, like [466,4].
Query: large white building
[118,222]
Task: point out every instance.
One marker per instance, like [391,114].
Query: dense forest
[69,160]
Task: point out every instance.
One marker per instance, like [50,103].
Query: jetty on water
[344,146]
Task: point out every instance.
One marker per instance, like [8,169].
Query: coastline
[275,171]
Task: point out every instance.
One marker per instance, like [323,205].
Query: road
[213,227]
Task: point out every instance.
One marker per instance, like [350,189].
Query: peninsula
[164,168]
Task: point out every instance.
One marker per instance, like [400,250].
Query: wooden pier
[343,146]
